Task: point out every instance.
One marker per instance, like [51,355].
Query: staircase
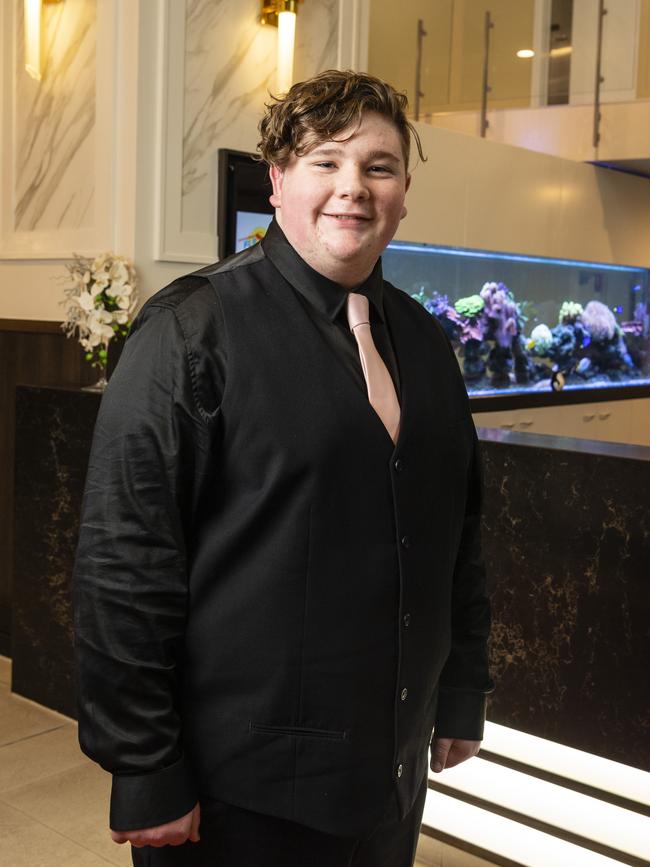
[528,802]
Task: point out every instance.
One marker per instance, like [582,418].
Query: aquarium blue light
[512,257]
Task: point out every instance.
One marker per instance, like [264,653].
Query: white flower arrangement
[101,295]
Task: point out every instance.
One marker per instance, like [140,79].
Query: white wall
[477,193]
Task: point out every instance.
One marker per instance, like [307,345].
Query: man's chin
[353,252]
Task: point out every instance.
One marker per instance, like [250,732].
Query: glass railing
[462,55]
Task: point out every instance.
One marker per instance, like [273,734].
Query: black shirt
[325,302]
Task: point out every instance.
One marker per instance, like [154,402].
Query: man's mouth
[348,216]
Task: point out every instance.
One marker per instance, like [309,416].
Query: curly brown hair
[317,109]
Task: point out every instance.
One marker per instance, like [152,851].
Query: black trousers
[233,837]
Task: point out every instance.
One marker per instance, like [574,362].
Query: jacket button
[404,693]
[400,771]
[406,619]
[405,541]
[399,465]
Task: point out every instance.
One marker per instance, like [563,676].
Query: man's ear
[276,176]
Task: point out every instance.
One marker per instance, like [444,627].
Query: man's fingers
[449,752]
[196,821]
[173,833]
[439,751]
[461,751]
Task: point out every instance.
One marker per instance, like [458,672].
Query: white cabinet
[623,421]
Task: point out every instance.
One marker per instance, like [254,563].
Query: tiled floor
[54,800]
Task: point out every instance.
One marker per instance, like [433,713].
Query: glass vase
[100,385]
[102,382]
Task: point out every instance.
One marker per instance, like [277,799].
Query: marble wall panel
[55,120]
[316,38]
[229,70]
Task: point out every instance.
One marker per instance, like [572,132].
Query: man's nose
[351,183]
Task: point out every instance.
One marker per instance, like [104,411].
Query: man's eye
[379,169]
[325,165]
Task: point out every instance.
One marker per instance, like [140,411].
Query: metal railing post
[418,68]
[599,78]
[489,24]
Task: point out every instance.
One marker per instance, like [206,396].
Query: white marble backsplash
[229,72]
[316,38]
[54,166]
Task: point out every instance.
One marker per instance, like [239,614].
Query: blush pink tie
[381,391]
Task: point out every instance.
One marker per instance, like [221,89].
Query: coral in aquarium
[470,329]
[469,311]
[470,306]
[487,332]
[438,305]
[635,332]
[642,315]
[604,344]
[501,312]
[540,340]
[563,345]
[599,321]
[473,362]
[501,317]
[570,312]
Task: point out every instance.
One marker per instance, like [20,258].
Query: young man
[279,587]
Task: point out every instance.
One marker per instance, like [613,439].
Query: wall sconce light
[33,27]
[282,14]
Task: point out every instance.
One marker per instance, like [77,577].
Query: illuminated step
[555,809]
[501,840]
[614,778]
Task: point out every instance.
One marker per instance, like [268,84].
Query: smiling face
[340,204]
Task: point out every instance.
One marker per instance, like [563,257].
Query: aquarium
[526,323]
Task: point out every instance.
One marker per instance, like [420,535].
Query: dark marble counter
[566,533]
[566,536]
[53,435]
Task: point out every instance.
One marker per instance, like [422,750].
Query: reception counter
[566,532]
[566,536]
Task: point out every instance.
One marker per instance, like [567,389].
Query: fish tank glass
[528,324]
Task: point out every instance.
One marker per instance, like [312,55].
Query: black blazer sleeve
[150,450]
[465,679]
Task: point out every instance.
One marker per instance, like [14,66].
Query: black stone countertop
[566,541]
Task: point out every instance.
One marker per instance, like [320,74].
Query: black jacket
[273,603]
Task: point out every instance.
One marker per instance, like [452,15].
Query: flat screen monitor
[243,208]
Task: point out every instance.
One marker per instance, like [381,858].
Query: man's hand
[447,752]
[170,834]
